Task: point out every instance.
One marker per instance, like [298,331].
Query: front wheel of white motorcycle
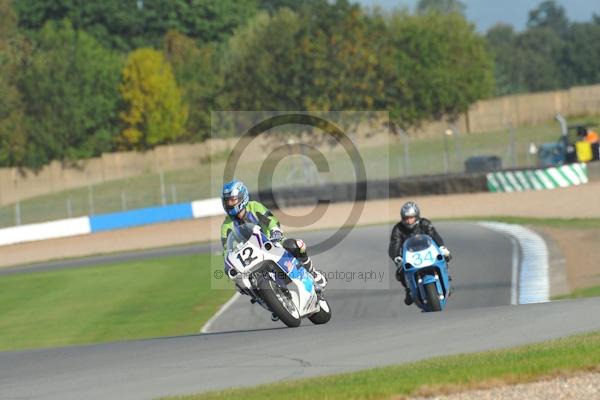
[279,302]
[324,314]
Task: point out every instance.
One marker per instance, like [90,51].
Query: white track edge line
[514,279]
[223,308]
[535,261]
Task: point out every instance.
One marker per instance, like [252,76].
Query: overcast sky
[485,13]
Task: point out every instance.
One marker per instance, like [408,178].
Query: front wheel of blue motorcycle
[433,299]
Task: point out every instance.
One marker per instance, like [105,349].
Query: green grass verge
[63,258]
[593,291]
[139,299]
[442,374]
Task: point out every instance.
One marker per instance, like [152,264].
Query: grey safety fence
[125,195]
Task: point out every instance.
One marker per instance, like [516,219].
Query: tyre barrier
[373,190]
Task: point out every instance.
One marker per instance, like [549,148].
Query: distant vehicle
[555,154]
[562,151]
[426,273]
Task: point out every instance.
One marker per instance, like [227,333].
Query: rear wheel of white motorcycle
[324,314]
[279,302]
[433,299]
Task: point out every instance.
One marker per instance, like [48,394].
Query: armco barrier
[207,208]
[143,216]
[373,190]
[437,184]
[45,230]
[537,179]
[99,223]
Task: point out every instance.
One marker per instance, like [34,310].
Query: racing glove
[398,260]
[446,253]
[276,235]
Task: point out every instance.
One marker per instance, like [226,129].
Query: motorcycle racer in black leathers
[411,224]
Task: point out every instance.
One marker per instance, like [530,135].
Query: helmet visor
[231,201]
[410,219]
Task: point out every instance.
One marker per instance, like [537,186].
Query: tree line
[552,53]
[79,78]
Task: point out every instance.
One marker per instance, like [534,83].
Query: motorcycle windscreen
[418,243]
[238,237]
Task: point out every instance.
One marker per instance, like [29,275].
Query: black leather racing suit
[400,233]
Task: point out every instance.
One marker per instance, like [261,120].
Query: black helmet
[410,209]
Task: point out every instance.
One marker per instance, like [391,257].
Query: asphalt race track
[370,327]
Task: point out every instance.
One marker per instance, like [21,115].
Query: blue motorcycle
[426,272]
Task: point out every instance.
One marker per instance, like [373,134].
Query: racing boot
[451,285]
[274,317]
[400,275]
[319,278]
[408,300]
[449,280]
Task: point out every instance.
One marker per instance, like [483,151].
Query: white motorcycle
[273,277]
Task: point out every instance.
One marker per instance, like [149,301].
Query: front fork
[254,293]
[421,281]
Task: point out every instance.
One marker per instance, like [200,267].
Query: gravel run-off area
[577,387]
